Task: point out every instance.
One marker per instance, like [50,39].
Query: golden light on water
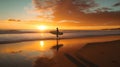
[41,43]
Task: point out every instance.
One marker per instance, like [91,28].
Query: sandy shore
[83,52]
[99,54]
[103,54]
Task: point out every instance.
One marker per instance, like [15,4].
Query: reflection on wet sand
[43,62]
[42,43]
[14,52]
[43,53]
[80,61]
[57,46]
[75,61]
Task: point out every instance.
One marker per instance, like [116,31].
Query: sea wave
[12,38]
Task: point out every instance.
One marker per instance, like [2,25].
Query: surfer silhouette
[57,33]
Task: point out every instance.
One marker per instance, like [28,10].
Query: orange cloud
[85,12]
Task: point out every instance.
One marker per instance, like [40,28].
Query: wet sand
[81,52]
[104,54]
[99,54]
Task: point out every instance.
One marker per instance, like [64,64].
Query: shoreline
[88,52]
[104,54]
[26,40]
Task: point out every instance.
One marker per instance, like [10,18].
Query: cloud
[45,4]
[14,20]
[84,4]
[103,9]
[87,11]
[117,4]
[68,21]
[45,8]
[104,17]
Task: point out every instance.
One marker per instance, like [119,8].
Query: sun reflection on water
[42,44]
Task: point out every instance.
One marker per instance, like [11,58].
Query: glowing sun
[42,27]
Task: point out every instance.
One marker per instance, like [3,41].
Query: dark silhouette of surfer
[57,46]
[57,32]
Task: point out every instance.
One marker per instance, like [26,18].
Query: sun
[42,27]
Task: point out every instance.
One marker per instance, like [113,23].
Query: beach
[104,54]
[60,33]
[101,51]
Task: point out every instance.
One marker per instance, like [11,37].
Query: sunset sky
[28,14]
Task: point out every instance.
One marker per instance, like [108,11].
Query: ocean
[29,36]
[43,50]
